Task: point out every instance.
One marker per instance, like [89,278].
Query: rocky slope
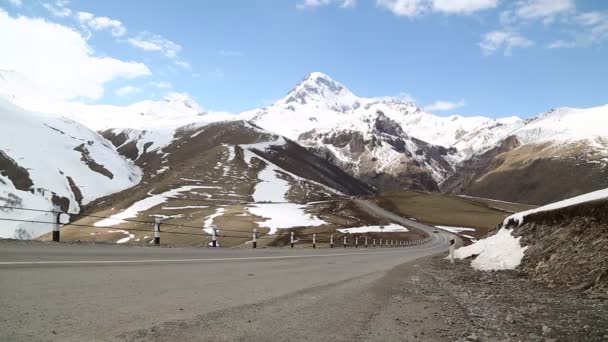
[378,151]
[230,175]
[564,244]
[568,246]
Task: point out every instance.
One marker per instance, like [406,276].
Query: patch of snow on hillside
[142,205]
[501,251]
[284,215]
[455,229]
[389,228]
[208,224]
[128,238]
[271,188]
[261,146]
[186,207]
[592,196]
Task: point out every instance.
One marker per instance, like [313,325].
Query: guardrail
[61,219]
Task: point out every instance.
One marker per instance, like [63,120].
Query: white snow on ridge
[44,145]
[389,228]
[142,205]
[592,196]
[501,251]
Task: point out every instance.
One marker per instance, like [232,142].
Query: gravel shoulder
[422,300]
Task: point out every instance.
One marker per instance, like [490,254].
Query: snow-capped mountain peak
[321,91]
[183,103]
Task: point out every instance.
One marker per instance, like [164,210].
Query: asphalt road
[72,292]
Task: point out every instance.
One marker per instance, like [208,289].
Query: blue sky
[470,57]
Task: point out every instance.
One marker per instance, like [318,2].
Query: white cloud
[318,3]
[183,64]
[16,3]
[561,44]
[101,23]
[591,28]
[153,42]
[543,9]
[505,40]
[161,85]
[412,8]
[463,6]
[58,60]
[405,8]
[401,97]
[128,90]
[58,8]
[438,106]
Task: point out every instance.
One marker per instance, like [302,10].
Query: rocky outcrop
[382,154]
[568,247]
[18,175]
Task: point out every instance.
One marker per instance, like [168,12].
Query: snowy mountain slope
[52,162]
[556,155]
[374,148]
[231,175]
[319,102]
[144,126]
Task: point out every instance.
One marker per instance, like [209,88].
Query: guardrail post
[344,241]
[292,240]
[56,227]
[356,242]
[157,231]
[213,237]
[331,241]
[255,237]
[314,240]
[366,242]
[374,243]
[452,248]
[380,243]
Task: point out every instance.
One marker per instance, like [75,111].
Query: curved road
[71,292]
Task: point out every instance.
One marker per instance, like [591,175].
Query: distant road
[74,292]
[375,210]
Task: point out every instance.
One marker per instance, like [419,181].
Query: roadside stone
[472,337]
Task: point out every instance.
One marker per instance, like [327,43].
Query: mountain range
[331,139]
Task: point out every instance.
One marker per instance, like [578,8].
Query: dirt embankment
[568,247]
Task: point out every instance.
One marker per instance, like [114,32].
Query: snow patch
[501,251]
[143,205]
[389,228]
[455,229]
[208,224]
[125,239]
